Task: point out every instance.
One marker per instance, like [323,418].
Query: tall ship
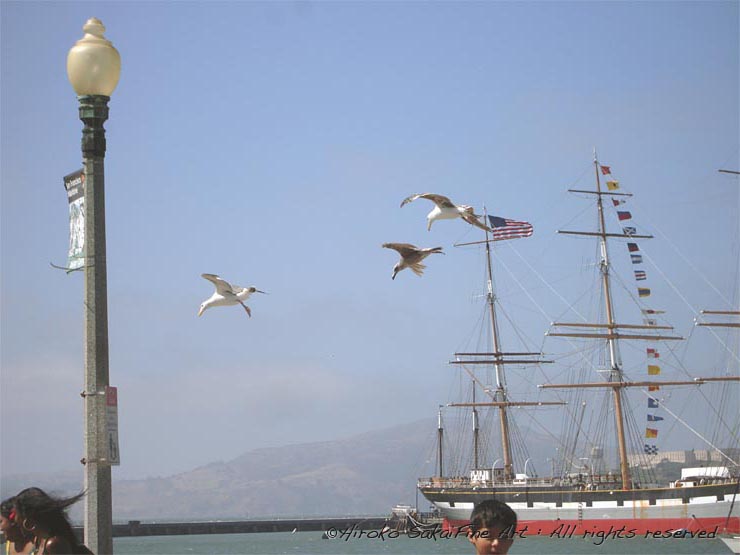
[604,475]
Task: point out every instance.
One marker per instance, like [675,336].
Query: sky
[272,143]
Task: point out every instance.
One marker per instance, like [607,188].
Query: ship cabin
[492,477]
[702,476]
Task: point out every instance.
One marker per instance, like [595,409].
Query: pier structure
[138,528]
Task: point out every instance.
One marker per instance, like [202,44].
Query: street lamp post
[93,68]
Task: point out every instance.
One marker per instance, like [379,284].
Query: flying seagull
[444,209]
[227,294]
[411,257]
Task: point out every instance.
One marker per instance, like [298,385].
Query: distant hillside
[59,483]
[364,474]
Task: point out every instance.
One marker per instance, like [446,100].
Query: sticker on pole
[111,425]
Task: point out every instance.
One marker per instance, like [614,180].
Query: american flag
[509,229]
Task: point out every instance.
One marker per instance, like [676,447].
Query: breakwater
[138,528]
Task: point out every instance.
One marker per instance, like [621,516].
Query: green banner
[74,183]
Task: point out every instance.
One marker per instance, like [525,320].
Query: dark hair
[493,513]
[6,507]
[15,532]
[42,509]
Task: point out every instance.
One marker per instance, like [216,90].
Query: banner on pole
[111,425]
[74,183]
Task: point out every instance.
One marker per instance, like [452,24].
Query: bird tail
[436,250]
[417,268]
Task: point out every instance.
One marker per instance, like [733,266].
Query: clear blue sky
[272,143]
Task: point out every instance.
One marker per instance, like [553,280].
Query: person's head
[8,523]
[42,515]
[492,527]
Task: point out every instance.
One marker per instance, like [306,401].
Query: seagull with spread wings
[227,294]
[411,257]
[445,209]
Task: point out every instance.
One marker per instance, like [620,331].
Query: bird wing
[223,287]
[404,249]
[473,220]
[439,200]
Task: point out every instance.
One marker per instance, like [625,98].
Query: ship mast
[440,437]
[616,371]
[500,394]
[498,359]
[475,430]
[612,334]
[615,374]
[721,313]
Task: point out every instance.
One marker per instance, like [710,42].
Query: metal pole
[475,432]
[98,520]
[440,436]
[493,472]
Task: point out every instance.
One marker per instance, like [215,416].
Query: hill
[364,474]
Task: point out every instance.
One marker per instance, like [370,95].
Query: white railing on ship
[463,482]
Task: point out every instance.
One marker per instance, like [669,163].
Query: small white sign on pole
[111,424]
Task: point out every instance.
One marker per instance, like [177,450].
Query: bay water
[309,543]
